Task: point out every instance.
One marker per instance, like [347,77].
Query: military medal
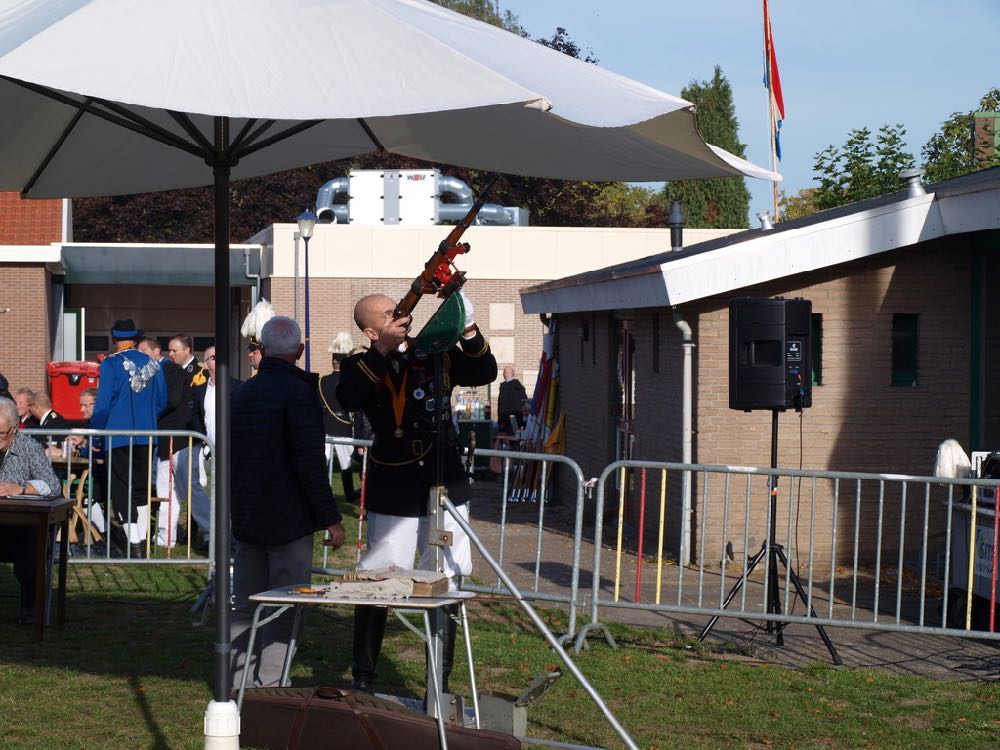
[398,402]
[419,394]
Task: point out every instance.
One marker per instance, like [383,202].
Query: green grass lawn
[132,669]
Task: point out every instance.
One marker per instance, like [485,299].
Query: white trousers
[344,454]
[397,540]
[166,519]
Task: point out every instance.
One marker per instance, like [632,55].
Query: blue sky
[844,64]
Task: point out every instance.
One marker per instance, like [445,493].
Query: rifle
[440,276]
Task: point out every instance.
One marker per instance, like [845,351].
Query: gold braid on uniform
[200,376]
[481,352]
[367,372]
[327,406]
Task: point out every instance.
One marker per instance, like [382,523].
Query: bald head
[372,311]
[508,373]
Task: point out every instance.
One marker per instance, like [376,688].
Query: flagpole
[775,103]
[774,161]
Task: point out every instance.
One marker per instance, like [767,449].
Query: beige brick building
[933,256]
[65,296]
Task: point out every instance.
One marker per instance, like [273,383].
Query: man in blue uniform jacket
[131,395]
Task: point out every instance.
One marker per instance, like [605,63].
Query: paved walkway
[938,656]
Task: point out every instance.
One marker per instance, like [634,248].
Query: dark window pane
[904,349]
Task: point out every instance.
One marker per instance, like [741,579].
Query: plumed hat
[342,343]
[254,322]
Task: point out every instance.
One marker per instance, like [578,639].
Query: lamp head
[306,221]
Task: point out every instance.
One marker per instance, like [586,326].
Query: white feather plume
[255,320]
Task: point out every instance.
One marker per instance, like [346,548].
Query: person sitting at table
[24,470]
[93,449]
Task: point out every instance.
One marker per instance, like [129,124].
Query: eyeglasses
[8,431]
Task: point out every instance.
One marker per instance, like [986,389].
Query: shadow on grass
[139,694]
[137,621]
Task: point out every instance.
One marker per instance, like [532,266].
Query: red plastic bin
[66,381]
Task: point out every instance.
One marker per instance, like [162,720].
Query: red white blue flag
[772,81]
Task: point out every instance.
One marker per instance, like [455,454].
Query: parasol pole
[222,718]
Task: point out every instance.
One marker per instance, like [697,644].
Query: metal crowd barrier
[85,474]
[877,551]
[516,465]
[862,550]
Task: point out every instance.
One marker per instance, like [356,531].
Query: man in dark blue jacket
[280,493]
[131,395]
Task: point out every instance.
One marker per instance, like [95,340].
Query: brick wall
[29,222]
[331,303]
[587,393]
[858,422]
[24,331]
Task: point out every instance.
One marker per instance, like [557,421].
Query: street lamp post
[306,221]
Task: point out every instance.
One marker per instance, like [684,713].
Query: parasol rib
[371,135]
[276,138]
[182,119]
[53,151]
[245,132]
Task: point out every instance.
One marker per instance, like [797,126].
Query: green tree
[803,203]
[861,168]
[725,201]
[954,150]
[487,11]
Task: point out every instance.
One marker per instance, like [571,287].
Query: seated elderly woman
[24,470]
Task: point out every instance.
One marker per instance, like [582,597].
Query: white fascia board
[828,243]
[970,212]
[638,290]
[31,253]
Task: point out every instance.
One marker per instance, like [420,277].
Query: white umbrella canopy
[107,97]
[314,80]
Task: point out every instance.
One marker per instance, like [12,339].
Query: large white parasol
[105,97]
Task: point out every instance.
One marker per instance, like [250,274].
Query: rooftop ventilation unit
[405,197]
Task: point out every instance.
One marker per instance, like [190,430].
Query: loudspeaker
[770,353]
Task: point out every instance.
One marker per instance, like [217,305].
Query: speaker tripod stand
[774,554]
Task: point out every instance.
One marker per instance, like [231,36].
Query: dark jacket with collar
[402,461]
[53,421]
[280,489]
[177,415]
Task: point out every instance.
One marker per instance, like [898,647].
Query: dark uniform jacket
[280,489]
[54,421]
[512,395]
[197,375]
[178,414]
[397,395]
[337,420]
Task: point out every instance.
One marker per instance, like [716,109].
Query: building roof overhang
[155,264]
[848,233]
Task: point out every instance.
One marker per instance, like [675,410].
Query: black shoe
[137,550]
[363,684]
[27,616]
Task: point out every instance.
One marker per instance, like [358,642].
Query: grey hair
[8,412]
[280,335]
